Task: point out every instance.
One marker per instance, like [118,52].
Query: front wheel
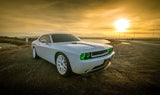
[63,65]
[35,56]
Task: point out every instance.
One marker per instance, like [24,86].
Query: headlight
[110,50]
[85,56]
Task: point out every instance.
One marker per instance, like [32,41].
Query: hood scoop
[84,44]
[74,43]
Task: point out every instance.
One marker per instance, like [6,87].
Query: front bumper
[92,65]
[103,66]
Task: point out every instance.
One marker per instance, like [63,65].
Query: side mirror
[43,41]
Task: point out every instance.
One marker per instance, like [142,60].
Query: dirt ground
[135,70]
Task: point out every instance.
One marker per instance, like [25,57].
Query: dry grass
[12,41]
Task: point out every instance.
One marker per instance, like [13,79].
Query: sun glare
[121,25]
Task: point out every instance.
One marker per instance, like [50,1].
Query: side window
[46,38]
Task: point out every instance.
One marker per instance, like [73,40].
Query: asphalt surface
[135,70]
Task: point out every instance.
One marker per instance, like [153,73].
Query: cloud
[79,17]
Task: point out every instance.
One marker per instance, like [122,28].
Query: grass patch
[12,41]
[7,43]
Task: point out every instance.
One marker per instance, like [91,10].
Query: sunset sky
[87,18]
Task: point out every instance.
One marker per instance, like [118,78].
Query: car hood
[81,46]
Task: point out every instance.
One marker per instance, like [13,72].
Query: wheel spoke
[58,66]
[61,57]
[58,61]
[63,69]
[64,65]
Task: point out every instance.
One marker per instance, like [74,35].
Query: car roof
[51,34]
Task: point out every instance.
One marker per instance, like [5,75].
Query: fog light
[85,56]
[110,50]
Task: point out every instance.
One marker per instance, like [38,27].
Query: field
[135,70]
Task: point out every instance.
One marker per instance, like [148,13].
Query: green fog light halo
[88,55]
[85,56]
[110,50]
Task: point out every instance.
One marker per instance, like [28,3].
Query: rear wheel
[35,56]
[63,65]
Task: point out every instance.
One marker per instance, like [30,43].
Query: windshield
[64,38]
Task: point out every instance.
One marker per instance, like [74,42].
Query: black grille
[99,52]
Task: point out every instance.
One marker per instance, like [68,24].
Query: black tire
[68,71]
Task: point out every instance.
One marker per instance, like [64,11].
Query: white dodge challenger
[70,54]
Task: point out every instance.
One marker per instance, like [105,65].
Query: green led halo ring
[88,55]
[83,55]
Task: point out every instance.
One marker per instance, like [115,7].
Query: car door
[44,47]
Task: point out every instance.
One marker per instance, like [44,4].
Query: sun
[121,25]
